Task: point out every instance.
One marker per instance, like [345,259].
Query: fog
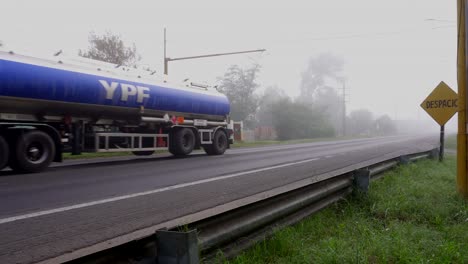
[394,52]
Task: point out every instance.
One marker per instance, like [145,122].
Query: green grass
[86,155]
[68,156]
[284,142]
[412,215]
[92,155]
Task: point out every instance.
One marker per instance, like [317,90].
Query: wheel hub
[35,153]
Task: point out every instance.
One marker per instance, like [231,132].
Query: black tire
[143,153]
[33,152]
[219,146]
[183,142]
[4,153]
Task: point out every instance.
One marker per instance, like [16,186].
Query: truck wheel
[220,144]
[143,153]
[183,142]
[34,151]
[4,153]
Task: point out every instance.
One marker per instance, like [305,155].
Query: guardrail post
[404,160]
[361,180]
[434,154]
[177,247]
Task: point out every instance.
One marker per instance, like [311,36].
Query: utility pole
[167,59]
[342,79]
[462,176]
[344,108]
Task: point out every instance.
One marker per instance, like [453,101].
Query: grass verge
[68,156]
[285,142]
[412,215]
[93,155]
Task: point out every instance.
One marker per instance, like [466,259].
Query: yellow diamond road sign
[441,104]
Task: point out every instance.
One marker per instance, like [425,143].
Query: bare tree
[319,87]
[239,86]
[110,48]
[324,66]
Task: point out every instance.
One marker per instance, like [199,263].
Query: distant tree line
[316,112]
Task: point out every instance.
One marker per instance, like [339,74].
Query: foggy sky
[393,56]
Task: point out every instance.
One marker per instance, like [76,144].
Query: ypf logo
[127,90]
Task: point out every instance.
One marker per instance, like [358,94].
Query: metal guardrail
[239,228]
[217,233]
[238,223]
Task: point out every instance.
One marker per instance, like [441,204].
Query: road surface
[82,206]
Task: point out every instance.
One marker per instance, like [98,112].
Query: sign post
[441,105]
[442,143]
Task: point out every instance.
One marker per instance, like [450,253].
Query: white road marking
[123,197]
[329,156]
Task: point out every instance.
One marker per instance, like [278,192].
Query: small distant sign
[441,104]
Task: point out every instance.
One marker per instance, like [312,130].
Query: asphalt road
[80,206]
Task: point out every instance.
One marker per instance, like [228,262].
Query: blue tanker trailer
[51,106]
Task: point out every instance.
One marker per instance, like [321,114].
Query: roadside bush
[296,120]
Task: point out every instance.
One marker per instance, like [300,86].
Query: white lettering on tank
[127,90]
[110,89]
[141,93]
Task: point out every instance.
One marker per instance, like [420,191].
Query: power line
[375,35]
[367,35]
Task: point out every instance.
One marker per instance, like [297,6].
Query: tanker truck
[50,106]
